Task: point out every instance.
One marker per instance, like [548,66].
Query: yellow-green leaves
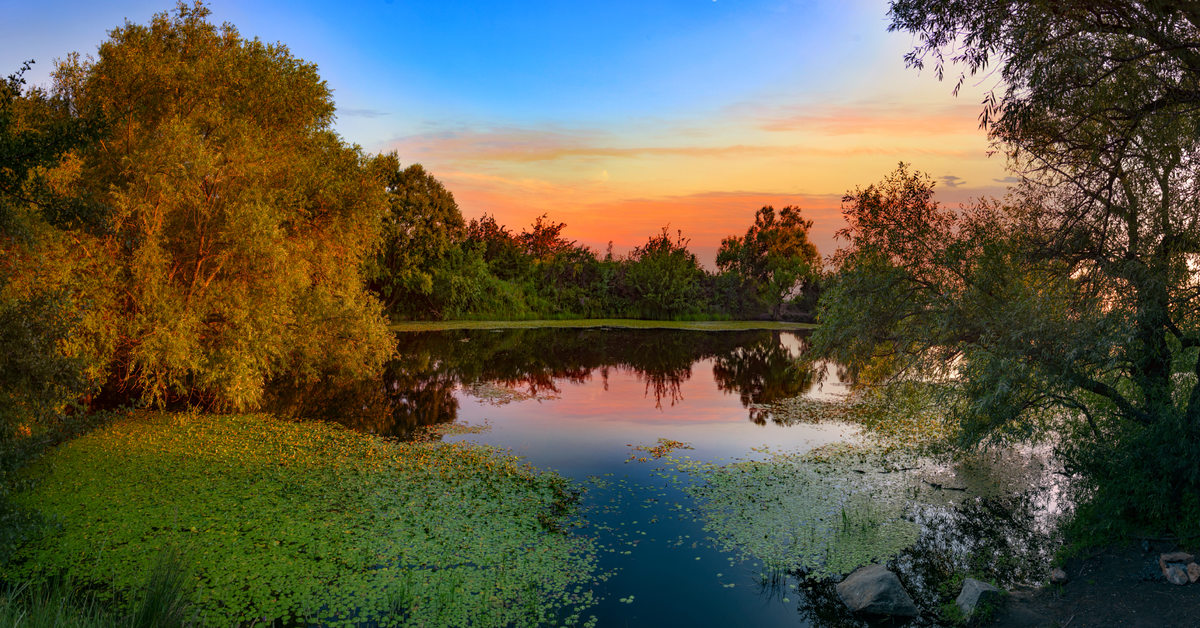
[236,219]
[311,521]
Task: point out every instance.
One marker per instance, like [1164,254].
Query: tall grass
[51,605]
[163,602]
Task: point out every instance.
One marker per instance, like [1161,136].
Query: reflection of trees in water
[763,372]
[1000,539]
[412,393]
[418,387]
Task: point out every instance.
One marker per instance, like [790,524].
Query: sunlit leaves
[237,220]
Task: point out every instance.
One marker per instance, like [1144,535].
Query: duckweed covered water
[311,523]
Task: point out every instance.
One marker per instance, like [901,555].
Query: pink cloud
[526,146]
[875,120]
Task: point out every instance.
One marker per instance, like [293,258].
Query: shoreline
[591,323]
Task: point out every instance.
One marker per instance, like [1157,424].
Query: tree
[544,239]
[1067,66]
[37,376]
[503,251]
[36,132]
[1075,301]
[421,228]
[774,256]
[236,219]
[664,276]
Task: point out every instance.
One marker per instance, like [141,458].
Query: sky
[617,118]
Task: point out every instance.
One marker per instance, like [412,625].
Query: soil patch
[1116,588]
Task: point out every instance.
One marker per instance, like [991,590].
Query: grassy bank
[624,323]
[307,522]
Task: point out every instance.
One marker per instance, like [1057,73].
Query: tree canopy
[233,222]
[1072,304]
[775,255]
[422,227]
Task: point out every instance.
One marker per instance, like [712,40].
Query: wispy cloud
[951,181]
[362,113]
[531,145]
[870,120]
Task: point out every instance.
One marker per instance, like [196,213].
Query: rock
[1193,571]
[1058,576]
[1176,575]
[1174,557]
[976,593]
[874,589]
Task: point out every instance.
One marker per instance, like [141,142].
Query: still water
[577,401]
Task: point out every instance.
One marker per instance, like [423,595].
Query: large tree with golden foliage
[233,221]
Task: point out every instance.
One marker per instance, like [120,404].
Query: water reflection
[761,373]
[1004,539]
[418,388]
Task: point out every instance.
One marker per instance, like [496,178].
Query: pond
[592,404]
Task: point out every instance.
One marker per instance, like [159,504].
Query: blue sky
[615,117]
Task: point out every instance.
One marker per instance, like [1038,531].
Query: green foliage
[237,221]
[422,228]
[36,131]
[46,359]
[465,287]
[538,273]
[164,602]
[774,258]
[59,603]
[623,323]
[663,277]
[1072,306]
[54,605]
[309,522]
[501,249]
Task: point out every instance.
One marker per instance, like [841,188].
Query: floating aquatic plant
[662,448]
[310,523]
[826,513]
[496,394]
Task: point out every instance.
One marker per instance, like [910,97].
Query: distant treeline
[434,265]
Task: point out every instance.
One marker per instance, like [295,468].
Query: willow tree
[236,219]
[1074,302]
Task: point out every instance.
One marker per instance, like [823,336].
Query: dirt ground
[1111,589]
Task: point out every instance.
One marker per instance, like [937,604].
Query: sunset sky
[616,118]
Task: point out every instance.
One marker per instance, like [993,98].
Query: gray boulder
[873,589]
[1058,576]
[1176,575]
[976,593]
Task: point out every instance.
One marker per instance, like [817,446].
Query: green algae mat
[624,323]
[310,523]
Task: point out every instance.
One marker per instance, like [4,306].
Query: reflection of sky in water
[672,571]
[587,429]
